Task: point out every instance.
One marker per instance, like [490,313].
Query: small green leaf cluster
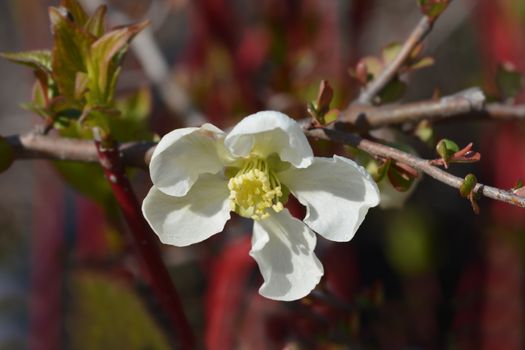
[320,110]
[370,67]
[400,176]
[433,8]
[76,79]
[75,88]
[449,152]
[446,149]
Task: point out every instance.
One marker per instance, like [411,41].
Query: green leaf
[38,59]
[39,94]
[87,179]
[132,122]
[104,59]
[99,117]
[433,8]
[381,170]
[509,80]
[326,93]
[425,132]
[43,103]
[468,185]
[331,116]
[96,24]
[390,52]
[71,47]
[81,84]
[446,149]
[106,313]
[312,110]
[36,109]
[422,63]
[6,155]
[373,65]
[135,106]
[399,179]
[393,91]
[63,112]
[75,11]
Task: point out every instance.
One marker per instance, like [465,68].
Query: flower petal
[268,132]
[284,250]
[337,194]
[182,221]
[182,155]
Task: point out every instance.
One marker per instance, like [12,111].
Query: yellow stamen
[254,190]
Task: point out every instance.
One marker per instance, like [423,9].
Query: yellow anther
[254,190]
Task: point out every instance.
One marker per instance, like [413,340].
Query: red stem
[145,243]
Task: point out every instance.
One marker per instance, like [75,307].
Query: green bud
[468,185]
[446,149]
[433,8]
[377,171]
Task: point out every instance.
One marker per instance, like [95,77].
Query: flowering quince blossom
[202,174]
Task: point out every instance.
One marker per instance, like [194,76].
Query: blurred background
[432,275]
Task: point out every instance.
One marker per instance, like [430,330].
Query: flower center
[255,189]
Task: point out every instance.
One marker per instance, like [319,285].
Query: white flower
[201,174]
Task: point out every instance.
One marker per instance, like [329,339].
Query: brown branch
[504,112]
[356,118]
[468,103]
[138,154]
[378,149]
[36,146]
[371,90]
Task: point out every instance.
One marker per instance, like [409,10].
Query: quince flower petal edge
[201,174]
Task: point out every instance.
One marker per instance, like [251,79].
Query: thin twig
[144,241]
[380,150]
[468,103]
[504,112]
[421,30]
[356,118]
[37,146]
[138,154]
